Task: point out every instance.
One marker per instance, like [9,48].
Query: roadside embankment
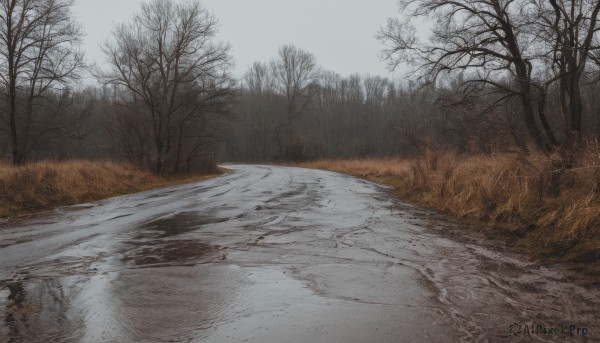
[42,186]
[506,195]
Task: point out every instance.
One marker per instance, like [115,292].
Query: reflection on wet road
[271,254]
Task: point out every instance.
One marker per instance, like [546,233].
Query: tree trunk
[576,104]
[12,109]
[542,114]
[179,147]
[159,163]
[532,127]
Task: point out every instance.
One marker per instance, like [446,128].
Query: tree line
[494,75]
[324,115]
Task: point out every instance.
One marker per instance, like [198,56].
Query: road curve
[272,254]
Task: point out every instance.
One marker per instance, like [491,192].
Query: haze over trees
[338,117]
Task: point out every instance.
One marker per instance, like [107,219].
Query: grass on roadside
[45,185]
[506,194]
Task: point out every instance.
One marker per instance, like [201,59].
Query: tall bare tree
[490,41]
[39,51]
[167,59]
[297,73]
[261,103]
[570,30]
[511,48]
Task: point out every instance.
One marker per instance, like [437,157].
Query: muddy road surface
[274,254]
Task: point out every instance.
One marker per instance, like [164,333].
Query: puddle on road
[156,242]
[177,224]
[175,252]
[153,292]
[37,312]
[76,295]
[172,304]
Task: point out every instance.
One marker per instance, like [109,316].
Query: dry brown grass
[505,194]
[41,186]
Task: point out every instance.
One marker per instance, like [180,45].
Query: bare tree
[165,58]
[490,41]
[297,73]
[347,117]
[261,103]
[39,44]
[569,28]
[202,120]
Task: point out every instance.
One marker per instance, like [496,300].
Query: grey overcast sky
[340,33]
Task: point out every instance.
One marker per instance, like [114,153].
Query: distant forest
[495,76]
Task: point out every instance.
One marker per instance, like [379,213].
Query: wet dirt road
[272,254]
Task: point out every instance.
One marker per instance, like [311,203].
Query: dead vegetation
[510,194]
[41,186]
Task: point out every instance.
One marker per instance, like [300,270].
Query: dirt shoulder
[42,186]
[503,196]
